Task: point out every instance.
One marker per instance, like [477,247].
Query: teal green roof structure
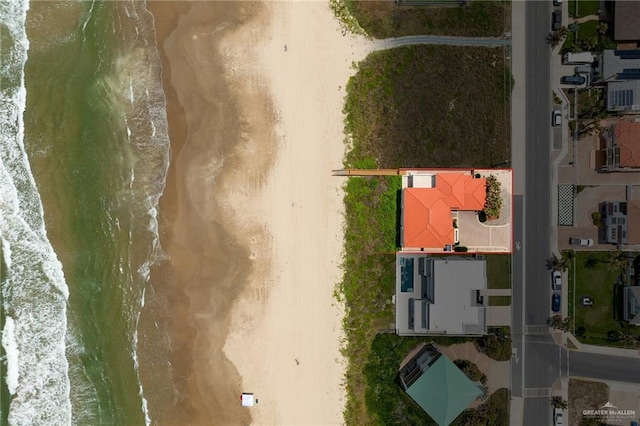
[443,391]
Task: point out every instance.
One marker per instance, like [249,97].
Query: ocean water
[84,154]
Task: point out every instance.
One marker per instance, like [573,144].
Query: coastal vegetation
[386,19]
[387,404]
[417,106]
[429,105]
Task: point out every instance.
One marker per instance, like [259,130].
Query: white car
[557,417]
[556,280]
[575,241]
[556,117]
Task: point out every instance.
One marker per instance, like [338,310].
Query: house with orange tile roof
[622,147]
[430,202]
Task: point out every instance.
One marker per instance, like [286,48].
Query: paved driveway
[586,202]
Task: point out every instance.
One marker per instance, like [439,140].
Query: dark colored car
[573,79]
[556,20]
[555,302]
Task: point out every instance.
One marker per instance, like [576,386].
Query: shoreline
[200,249]
[251,217]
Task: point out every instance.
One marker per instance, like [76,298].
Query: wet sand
[207,267]
[251,217]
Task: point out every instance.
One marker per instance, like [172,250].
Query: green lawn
[385,19]
[498,276]
[585,30]
[498,270]
[499,300]
[585,7]
[594,280]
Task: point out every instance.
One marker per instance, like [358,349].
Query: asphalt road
[541,358]
[537,360]
[538,163]
[517,308]
[604,367]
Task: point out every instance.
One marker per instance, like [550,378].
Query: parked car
[555,302]
[556,117]
[573,79]
[584,69]
[556,280]
[576,241]
[556,20]
[557,2]
[557,417]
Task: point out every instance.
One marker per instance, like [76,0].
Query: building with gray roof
[440,295]
[621,73]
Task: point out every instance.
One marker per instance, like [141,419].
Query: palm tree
[555,321]
[558,402]
[591,262]
[556,263]
[603,28]
[616,260]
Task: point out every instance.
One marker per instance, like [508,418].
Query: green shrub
[493,203]
[496,344]
[471,370]
[597,218]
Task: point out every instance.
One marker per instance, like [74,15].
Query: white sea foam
[84,25]
[138,76]
[34,290]
[6,253]
[13,355]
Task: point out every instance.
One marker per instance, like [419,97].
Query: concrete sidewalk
[604,350]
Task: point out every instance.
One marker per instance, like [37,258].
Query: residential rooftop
[426,209]
[439,295]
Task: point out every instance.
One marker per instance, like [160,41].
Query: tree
[555,37]
[603,28]
[558,402]
[622,337]
[471,370]
[591,262]
[559,323]
[496,344]
[616,260]
[556,263]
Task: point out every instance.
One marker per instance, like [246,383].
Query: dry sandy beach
[251,216]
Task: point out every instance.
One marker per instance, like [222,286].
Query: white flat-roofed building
[440,295]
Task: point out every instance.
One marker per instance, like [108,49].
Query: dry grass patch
[585,395]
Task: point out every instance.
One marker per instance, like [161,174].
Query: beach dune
[253,218]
